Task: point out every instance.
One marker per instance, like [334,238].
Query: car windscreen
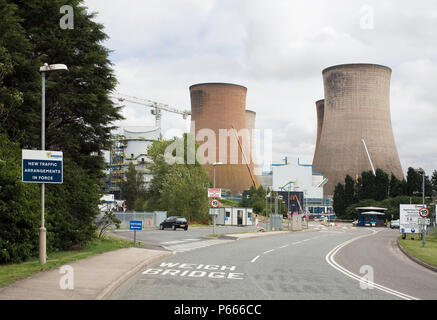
[181,220]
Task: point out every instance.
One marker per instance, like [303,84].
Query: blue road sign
[40,166]
[135,225]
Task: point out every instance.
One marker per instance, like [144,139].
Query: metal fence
[275,222]
[149,219]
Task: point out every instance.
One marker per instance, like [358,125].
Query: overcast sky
[277,49]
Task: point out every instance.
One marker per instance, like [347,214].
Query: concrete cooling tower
[356,106]
[320,109]
[250,125]
[218,106]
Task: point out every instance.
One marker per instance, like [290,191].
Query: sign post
[41,166]
[423,212]
[135,225]
[215,204]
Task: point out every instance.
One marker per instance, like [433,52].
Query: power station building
[220,109]
[354,113]
[131,147]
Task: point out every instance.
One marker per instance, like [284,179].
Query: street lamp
[213,217]
[42,231]
[216,164]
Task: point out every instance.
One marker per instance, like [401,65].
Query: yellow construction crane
[157,107]
[245,159]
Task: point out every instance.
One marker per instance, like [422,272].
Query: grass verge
[414,248]
[10,273]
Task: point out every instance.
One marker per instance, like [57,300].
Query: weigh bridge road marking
[331,261]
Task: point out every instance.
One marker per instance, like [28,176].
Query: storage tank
[356,106]
[218,106]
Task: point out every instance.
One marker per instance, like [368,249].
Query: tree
[256,199]
[79,111]
[339,203]
[19,77]
[414,181]
[19,207]
[428,187]
[107,220]
[381,185]
[349,191]
[434,182]
[395,188]
[368,185]
[132,188]
[185,193]
[180,189]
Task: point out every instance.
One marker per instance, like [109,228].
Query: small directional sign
[136,225]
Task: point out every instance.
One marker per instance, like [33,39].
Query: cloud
[277,50]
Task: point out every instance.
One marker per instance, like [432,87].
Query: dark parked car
[174,222]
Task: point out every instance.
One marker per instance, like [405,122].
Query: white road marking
[254,259]
[268,251]
[330,259]
[188,246]
[283,246]
[172,242]
[297,242]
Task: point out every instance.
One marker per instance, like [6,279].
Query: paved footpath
[94,278]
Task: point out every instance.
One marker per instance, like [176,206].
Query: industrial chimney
[356,107]
[219,106]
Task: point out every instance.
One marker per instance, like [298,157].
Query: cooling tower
[250,125]
[218,106]
[320,108]
[356,106]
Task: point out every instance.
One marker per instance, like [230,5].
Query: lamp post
[214,165]
[213,217]
[423,206]
[42,231]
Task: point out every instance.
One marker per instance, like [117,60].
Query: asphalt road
[391,268]
[285,266]
[169,237]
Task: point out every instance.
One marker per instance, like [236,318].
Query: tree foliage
[180,188]
[256,199]
[339,204]
[379,190]
[19,207]
[132,188]
[79,114]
